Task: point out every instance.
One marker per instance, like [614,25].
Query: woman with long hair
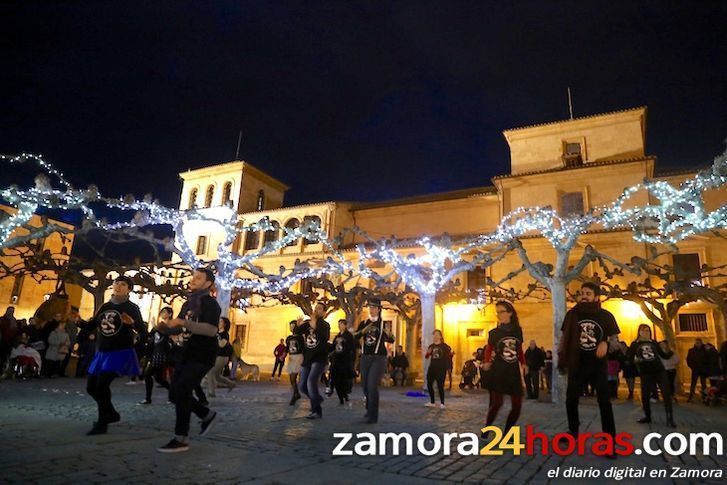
[157,353]
[504,360]
[224,352]
[647,355]
[439,355]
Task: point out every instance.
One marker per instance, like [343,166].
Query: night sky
[346,100]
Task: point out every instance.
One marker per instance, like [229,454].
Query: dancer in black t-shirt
[647,355]
[115,323]
[439,355]
[582,352]
[315,333]
[157,352]
[199,316]
[343,353]
[503,361]
[294,345]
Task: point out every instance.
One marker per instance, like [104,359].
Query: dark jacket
[534,359]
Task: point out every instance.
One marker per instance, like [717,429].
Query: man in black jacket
[696,360]
[199,317]
[535,360]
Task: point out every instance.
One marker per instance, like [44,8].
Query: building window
[209,195]
[571,204]
[476,280]
[693,322]
[261,200]
[192,199]
[306,287]
[252,240]
[201,245]
[572,154]
[688,268]
[312,220]
[272,234]
[227,193]
[17,289]
[292,224]
[475,332]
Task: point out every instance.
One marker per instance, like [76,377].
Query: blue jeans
[308,385]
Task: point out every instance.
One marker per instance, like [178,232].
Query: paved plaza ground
[259,438]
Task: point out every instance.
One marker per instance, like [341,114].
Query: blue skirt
[122,362]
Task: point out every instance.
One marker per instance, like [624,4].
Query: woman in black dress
[503,360]
[647,355]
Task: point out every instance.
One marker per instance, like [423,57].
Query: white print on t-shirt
[591,333]
[647,353]
[508,349]
[371,338]
[292,346]
[311,340]
[436,354]
[110,323]
[339,345]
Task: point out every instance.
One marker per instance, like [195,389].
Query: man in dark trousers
[583,349]
[697,360]
[535,360]
[199,317]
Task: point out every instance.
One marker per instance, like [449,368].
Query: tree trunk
[428,326]
[223,299]
[559,307]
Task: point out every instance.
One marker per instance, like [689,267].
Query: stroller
[717,392]
[470,375]
[25,362]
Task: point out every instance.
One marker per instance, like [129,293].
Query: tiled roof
[575,119]
[585,165]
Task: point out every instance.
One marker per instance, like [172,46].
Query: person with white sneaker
[439,355]
[199,316]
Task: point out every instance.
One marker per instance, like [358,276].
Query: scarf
[194,300]
[118,300]
[568,353]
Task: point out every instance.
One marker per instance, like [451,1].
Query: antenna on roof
[570,103]
[239,140]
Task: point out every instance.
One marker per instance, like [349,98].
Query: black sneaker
[314,416]
[643,420]
[144,402]
[206,425]
[115,418]
[97,429]
[173,446]
[294,399]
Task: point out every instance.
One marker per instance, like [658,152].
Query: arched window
[272,234]
[192,198]
[571,204]
[209,195]
[311,220]
[292,224]
[252,240]
[201,245]
[227,193]
[261,200]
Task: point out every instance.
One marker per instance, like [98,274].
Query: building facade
[570,165]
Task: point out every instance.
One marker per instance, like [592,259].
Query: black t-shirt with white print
[594,328]
[373,341]
[647,356]
[439,356]
[294,344]
[113,334]
[315,341]
[343,348]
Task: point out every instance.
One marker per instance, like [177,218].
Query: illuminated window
[313,220]
[227,193]
[693,322]
[192,199]
[261,200]
[687,267]
[272,234]
[209,195]
[201,245]
[572,154]
[252,240]
[292,224]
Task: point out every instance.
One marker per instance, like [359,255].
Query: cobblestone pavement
[259,438]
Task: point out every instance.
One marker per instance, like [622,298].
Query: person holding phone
[115,324]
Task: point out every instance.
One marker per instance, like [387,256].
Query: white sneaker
[430,405]
[442,406]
